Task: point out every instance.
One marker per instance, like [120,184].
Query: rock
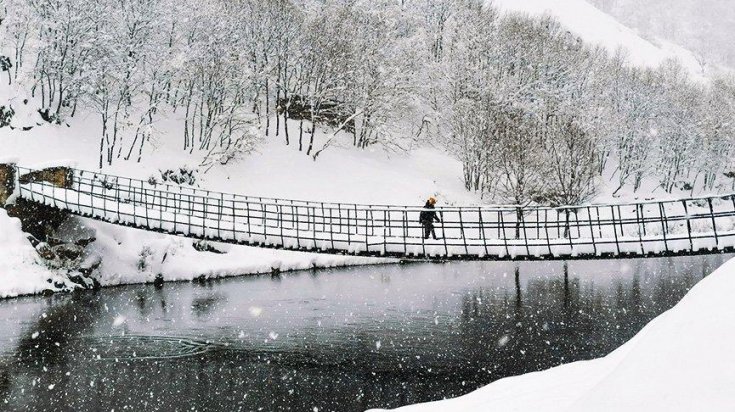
[59,176]
[74,231]
[45,251]
[82,281]
[53,242]
[85,242]
[205,246]
[90,265]
[37,219]
[158,281]
[34,242]
[68,251]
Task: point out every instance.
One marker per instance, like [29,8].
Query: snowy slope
[680,361]
[341,174]
[597,27]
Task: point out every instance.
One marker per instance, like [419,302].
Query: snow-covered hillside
[594,26]
[343,172]
[681,361]
[702,26]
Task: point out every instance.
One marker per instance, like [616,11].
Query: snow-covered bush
[181,176]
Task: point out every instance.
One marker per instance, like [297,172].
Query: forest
[534,114]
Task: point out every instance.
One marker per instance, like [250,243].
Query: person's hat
[432,200]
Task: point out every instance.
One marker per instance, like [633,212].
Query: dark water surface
[334,340]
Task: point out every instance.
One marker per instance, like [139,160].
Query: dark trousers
[429,230]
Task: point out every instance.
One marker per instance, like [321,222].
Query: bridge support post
[7,182]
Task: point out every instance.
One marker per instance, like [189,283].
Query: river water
[329,340]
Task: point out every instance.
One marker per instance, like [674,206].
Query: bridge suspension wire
[666,227]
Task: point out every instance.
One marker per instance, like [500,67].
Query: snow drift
[680,361]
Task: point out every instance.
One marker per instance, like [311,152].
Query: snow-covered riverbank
[681,361]
[134,256]
[128,256]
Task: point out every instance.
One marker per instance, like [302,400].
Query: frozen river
[330,340]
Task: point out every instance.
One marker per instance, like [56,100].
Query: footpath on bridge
[651,228]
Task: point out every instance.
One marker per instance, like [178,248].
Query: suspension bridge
[651,228]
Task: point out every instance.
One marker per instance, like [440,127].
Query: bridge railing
[668,226]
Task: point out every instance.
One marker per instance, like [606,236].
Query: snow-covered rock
[21,269]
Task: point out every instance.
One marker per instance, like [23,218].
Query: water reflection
[339,340]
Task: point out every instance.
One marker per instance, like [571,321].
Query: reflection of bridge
[670,227]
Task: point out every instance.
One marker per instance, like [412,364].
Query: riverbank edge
[111,255]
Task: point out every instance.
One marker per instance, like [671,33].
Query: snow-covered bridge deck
[652,228]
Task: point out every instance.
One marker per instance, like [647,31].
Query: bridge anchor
[7,182]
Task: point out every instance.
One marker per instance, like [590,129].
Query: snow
[597,27]
[20,272]
[136,256]
[680,361]
[341,174]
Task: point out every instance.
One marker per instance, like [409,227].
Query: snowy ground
[680,361]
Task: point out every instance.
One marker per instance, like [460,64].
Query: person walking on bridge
[427,218]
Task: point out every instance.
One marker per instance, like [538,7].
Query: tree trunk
[311,139]
[267,108]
